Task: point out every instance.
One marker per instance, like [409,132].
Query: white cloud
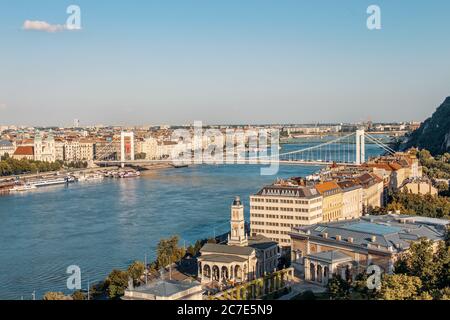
[43,26]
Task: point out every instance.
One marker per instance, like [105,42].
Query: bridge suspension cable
[380,144]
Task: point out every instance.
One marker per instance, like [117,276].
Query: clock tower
[237,236]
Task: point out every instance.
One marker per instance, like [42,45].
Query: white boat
[52,182]
[131,174]
[90,177]
[22,188]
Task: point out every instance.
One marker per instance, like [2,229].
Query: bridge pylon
[360,147]
[124,135]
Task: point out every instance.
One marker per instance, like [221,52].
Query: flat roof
[372,228]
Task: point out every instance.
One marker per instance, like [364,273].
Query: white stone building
[44,149]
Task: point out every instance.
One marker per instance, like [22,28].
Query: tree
[400,287]
[444,294]
[136,270]
[169,252]
[421,262]
[442,265]
[116,283]
[360,286]
[338,288]
[78,295]
[56,296]
[140,156]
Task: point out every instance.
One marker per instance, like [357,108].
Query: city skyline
[258,62]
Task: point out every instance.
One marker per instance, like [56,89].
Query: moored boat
[23,188]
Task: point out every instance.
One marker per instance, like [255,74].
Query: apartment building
[278,208]
[150,148]
[332,200]
[7,147]
[352,199]
[373,191]
[82,150]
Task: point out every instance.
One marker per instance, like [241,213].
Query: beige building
[419,186]
[150,147]
[7,147]
[347,248]
[373,191]
[59,150]
[82,150]
[352,199]
[24,152]
[332,200]
[277,208]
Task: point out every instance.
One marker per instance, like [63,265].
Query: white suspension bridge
[345,150]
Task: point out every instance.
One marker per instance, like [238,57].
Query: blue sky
[248,61]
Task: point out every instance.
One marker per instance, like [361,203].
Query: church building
[242,259]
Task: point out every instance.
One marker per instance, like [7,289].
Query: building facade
[347,248]
[277,208]
[44,149]
[352,199]
[7,148]
[332,200]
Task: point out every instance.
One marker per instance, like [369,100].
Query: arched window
[319,273]
[312,272]
[207,271]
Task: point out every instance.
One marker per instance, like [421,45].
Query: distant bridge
[341,151]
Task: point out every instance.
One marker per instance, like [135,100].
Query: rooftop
[225,249]
[6,143]
[389,232]
[330,256]
[24,151]
[166,288]
[289,191]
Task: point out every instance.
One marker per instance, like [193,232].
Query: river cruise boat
[23,188]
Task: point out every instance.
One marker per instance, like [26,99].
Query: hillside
[434,133]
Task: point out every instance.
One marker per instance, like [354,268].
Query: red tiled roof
[24,151]
[326,186]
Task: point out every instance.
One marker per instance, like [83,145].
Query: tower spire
[237,236]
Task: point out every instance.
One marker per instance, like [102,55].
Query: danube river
[104,225]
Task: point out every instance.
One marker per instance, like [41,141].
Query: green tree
[338,288]
[420,261]
[79,295]
[400,287]
[140,156]
[442,265]
[56,296]
[168,252]
[136,270]
[116,283]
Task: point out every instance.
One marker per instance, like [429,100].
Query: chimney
[373,239]
[338,237]
[350,240]
[325,235]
